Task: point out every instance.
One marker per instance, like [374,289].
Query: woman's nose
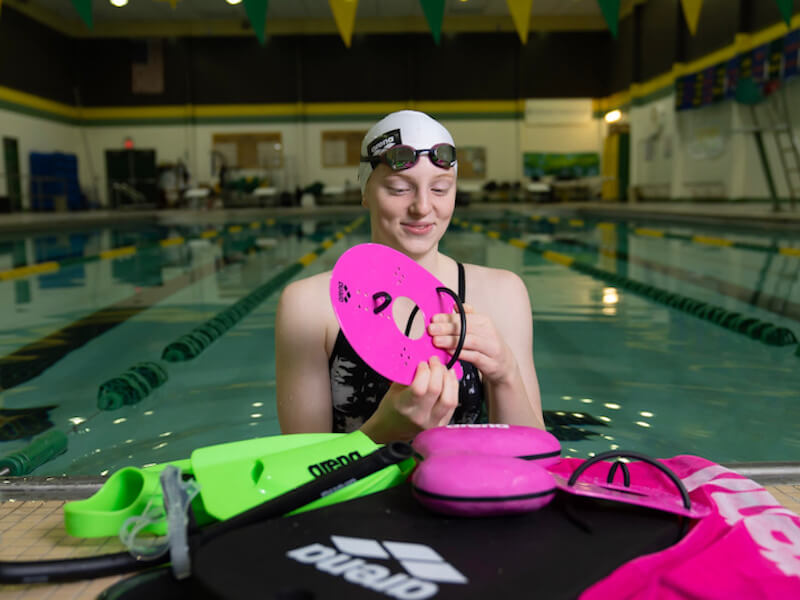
[422,202]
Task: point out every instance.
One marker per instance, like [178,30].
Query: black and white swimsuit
[357,389]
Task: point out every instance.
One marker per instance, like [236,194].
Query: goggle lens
[402,157]
[443,155]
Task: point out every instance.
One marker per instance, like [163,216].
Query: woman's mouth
[418,228]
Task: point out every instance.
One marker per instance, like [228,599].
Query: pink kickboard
[477,485]
[494,439]
[367,269]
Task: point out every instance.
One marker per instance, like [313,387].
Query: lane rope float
[140,380]
[754,328]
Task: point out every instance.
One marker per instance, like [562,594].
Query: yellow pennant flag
[521,14]
[344,13]
[691,12]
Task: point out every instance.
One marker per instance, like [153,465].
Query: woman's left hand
[483,346]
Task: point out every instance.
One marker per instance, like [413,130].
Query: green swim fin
[233,477]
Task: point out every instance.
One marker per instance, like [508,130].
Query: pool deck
[33,530]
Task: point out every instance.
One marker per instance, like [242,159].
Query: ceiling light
[118,3]
[613,116]
[233,2]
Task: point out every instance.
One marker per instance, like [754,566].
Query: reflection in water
[24,422]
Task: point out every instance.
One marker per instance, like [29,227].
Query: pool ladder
[785,142]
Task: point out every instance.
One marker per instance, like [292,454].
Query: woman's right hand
[406,410]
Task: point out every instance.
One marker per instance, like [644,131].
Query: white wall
[709,151]
[505,141]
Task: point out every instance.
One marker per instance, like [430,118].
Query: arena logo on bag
[424,567]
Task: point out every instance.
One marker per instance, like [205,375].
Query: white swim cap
[407,127]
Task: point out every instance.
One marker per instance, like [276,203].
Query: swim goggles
[402,157]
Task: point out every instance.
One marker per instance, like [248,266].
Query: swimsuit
[357,389]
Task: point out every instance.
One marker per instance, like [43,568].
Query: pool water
[617,370]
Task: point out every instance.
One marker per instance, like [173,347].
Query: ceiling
[215,10]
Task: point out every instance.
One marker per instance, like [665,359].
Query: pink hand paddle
[364,283]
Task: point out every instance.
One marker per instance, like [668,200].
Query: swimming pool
[617,369]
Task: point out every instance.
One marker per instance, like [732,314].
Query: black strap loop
[410,321]
[463,334]
[687,504]
[387,300]
[626,476]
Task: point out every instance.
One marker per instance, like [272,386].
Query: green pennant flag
[785,6]
[257,13]
[434,13]
[84,8]
[610,10]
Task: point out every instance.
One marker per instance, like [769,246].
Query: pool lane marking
[556,257]
[114,253]
[649,232]
[190,345]
[28,270]
[768,302]
[586,269]
[696,239]
[118,252]
[45,352]
[711,241]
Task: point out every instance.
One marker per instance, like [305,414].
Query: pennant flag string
[691,12]
[521,15]
[257,14]
[84,8]
[786,7]
[344,13]
[610,10]
[434,13]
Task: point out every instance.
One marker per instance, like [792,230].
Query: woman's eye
[397,191]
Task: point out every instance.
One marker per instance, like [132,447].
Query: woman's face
[411,209]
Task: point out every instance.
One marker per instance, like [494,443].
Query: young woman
[408,182]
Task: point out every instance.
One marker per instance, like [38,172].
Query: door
[13,179]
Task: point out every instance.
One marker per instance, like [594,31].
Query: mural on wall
[571,165]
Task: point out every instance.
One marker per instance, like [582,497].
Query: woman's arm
[303,377]
[499,343]
[516,400]
[303,386]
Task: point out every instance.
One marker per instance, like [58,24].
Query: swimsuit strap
[461,283]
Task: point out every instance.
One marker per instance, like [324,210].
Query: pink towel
[748,548]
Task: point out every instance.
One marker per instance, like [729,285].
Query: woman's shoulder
[309,295]
[486,285]
[491,276]
[308,285]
